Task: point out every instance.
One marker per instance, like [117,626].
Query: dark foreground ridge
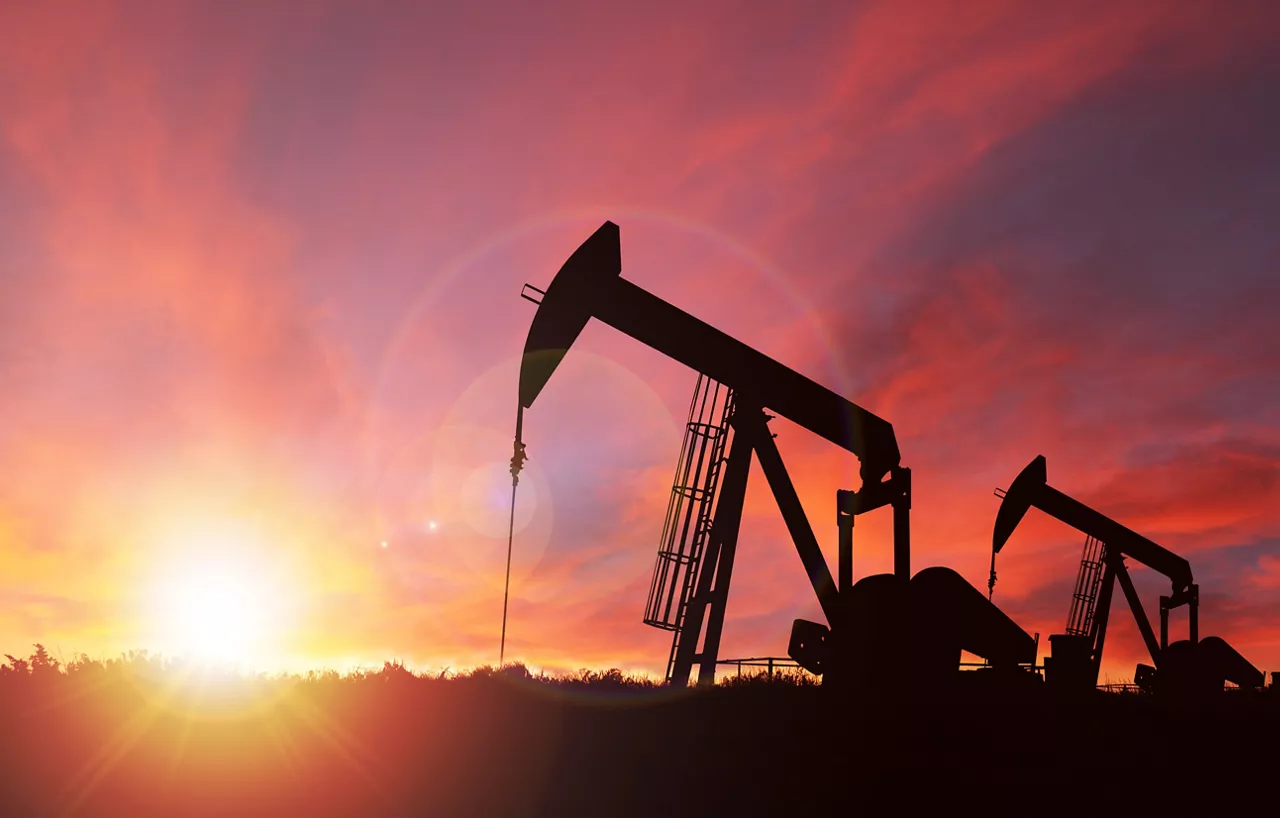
[131,738]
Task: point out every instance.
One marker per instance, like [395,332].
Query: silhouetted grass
[145,735]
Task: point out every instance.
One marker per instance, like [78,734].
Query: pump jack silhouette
[899,627]
[1191,667]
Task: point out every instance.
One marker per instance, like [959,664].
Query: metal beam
[1117,537]
[1135,605]
[589,285]
[815,565]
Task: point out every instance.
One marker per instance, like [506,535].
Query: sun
[220,598]
[217,617]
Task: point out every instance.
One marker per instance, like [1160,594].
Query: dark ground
[394,744]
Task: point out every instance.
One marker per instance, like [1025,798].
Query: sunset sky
[261,328]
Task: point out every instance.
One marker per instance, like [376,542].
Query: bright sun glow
[219,598]
[218,617]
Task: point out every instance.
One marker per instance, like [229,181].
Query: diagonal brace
[753,424]
[1139,615]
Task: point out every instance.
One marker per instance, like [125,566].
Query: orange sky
[261,265]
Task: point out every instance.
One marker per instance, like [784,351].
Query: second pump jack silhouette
[1190,667]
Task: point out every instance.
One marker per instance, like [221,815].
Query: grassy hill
[142,736]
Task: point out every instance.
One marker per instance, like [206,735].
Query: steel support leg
[708,601]
[1164,622]
[1102,613]
[902,527]
[1194,614]
[844,523]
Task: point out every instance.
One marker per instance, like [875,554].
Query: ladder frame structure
[690,511]
[1085,597]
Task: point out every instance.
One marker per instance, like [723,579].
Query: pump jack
[874,619]
[1191,666]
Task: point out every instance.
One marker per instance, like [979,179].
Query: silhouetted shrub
[516,670]
[784,677]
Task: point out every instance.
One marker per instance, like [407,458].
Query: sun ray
[90,775]
[353,752]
